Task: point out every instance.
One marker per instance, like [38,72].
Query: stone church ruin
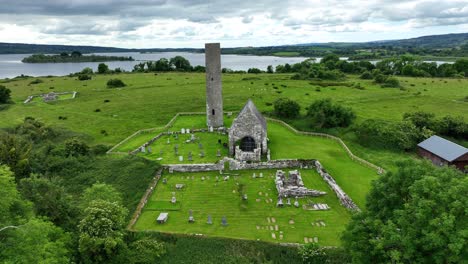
[293,186]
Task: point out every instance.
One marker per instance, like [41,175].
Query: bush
[84,77]
[115,83]
[37,81]
[254,70]
[75,147]
[4,95]
[326,114]
[366,76]
[103,68]
[287,108]
[391,82]
[87,70]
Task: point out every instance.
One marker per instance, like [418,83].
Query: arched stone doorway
[247,144]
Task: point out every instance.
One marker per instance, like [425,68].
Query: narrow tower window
[212,112]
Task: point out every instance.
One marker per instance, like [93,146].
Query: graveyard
[209,195]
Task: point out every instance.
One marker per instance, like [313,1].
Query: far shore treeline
[74,56]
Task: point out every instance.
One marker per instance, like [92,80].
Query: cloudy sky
[190,23]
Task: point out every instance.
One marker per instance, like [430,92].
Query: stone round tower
[214,95]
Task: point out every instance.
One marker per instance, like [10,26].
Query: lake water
[11,65]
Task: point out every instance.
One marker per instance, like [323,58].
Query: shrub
[366,75]
[115,83]
[326,114]
[87,70]
[84,77]
[287,108]
[391,82]
[4,95]
[36,81]
[75,147]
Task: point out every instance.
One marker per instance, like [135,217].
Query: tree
[64,54]
[13,209]
[4,95]
[254,70]
[324,113]
[421,119]
[101,231]
[103,68]
[15,152]
[100,191]
[461,65]
[330,58]
[287,108]
[49,199]
[76,54]
[87,70]
[270,69]
[180,63]
[76,147]
[415,215]
[366,75]
[37,241]
[312,253]
[145,250]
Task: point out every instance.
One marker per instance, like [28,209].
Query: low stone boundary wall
[195,167]
[144,199]
[272,164]
[345,200]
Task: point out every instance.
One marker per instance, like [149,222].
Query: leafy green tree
[326,114]
[453,126]
[64,54]
[461,65]
[313,254]
[100,191]
[330,58]
[15,152]
[5,96]
[146,250]
[76,147]
[103,68]
[366,75]
[270,69]
[421,119]
[287,108]
[254,70]
[87,70]
[13,209]
[49,199]
[101,231]
[37,241]
[414,215]
[76,54]
[180,63]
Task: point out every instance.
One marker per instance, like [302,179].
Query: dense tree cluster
[75,56]
[414,215]
[177,63]
[4,95]
[59,188]
[406,134]
[325,114]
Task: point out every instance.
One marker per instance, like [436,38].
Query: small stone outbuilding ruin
[248,134]
[293,186]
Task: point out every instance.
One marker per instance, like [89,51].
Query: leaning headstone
[209,220]
[181,158]
[224,221]
[182,131]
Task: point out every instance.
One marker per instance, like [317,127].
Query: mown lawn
[246,219]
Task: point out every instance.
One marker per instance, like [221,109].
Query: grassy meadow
[256,218]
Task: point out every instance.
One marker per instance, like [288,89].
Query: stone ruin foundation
[293,186]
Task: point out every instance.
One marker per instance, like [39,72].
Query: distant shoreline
[41,58]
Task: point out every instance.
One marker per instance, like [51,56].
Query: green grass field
[246,219]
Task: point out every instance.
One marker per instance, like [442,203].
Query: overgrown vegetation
[75,56]
[115,83]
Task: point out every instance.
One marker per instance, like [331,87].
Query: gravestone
[142,149]
[280,202]
[173,200]
[296,203]
[244,197]
[191,219]
[218,153]
[203,178]
[176,136]
[190,158]
[209,220]
[211,129]
[149,149]
[187,131]
[200,146]
[164,180]
[168,141]
[202,154]
[261,175]
[192,137]
[181,158]
[254,175]
[288,202]
[224,221]
[182,131]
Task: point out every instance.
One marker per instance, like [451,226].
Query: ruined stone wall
[272,164]
[345,200]
[195,167]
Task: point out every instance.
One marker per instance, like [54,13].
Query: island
[74,56]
